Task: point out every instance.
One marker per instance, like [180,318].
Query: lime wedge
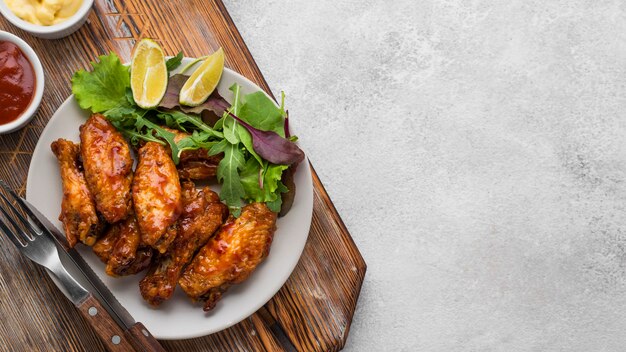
[191,64]
[148,74]
[203,81]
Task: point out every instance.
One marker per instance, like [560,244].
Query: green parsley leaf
[105,87]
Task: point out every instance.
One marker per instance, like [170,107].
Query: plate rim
[30,179]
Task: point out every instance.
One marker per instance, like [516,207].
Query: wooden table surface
[314,308]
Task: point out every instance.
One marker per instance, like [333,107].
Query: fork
[33,243]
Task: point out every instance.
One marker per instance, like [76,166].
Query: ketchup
[17,82]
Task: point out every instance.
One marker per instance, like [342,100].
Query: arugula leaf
[232,191]
[105,87]
[177,119]
[126,120]
[135,136]
[168,136]
[219,147]
[197,140]
[230,125]
[131,121]
[172,63]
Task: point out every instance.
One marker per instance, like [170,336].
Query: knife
[135,332]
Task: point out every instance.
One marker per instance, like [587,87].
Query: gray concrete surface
[476,151]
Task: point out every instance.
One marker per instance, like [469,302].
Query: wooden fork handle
[111,334]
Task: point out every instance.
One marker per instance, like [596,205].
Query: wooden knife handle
[142,339]
[110,333]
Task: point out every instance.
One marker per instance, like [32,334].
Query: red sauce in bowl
[17,82]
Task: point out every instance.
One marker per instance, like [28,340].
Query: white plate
[178,318]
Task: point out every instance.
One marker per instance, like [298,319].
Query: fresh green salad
[251,132]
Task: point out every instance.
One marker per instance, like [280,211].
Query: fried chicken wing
[200,154]
[197,169]
[104,245]
[108,167]
[143,259]
[231,256]
[156,196]
[78,209]
[203,213]
[198,164]
[121,249]
[125,248]
[195,164]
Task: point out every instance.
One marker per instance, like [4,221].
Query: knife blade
[139,336]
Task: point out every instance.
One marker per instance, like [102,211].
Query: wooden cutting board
[314,308]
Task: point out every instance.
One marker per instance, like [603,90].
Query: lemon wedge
[148,74]
[203,81]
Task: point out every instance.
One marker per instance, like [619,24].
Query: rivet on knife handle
[107,329]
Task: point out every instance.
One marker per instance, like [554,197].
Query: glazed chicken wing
[195,164]
[120,248]
[78,210]
[108,167]
[156,196]
[104,245]
[198,169]
[231,256]
[203,213]
[128,256]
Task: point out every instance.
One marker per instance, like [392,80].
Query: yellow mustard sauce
[44,12]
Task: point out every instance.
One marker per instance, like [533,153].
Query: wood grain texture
[315,306]
[142,340]
[104,325]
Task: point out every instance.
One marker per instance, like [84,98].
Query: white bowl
[28,114]
[56,31]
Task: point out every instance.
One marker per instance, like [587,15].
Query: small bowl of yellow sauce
[49,19]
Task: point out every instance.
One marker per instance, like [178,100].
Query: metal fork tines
[34,243]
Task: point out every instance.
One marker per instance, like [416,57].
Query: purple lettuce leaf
[287,133]
[215,104]
[271,146]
